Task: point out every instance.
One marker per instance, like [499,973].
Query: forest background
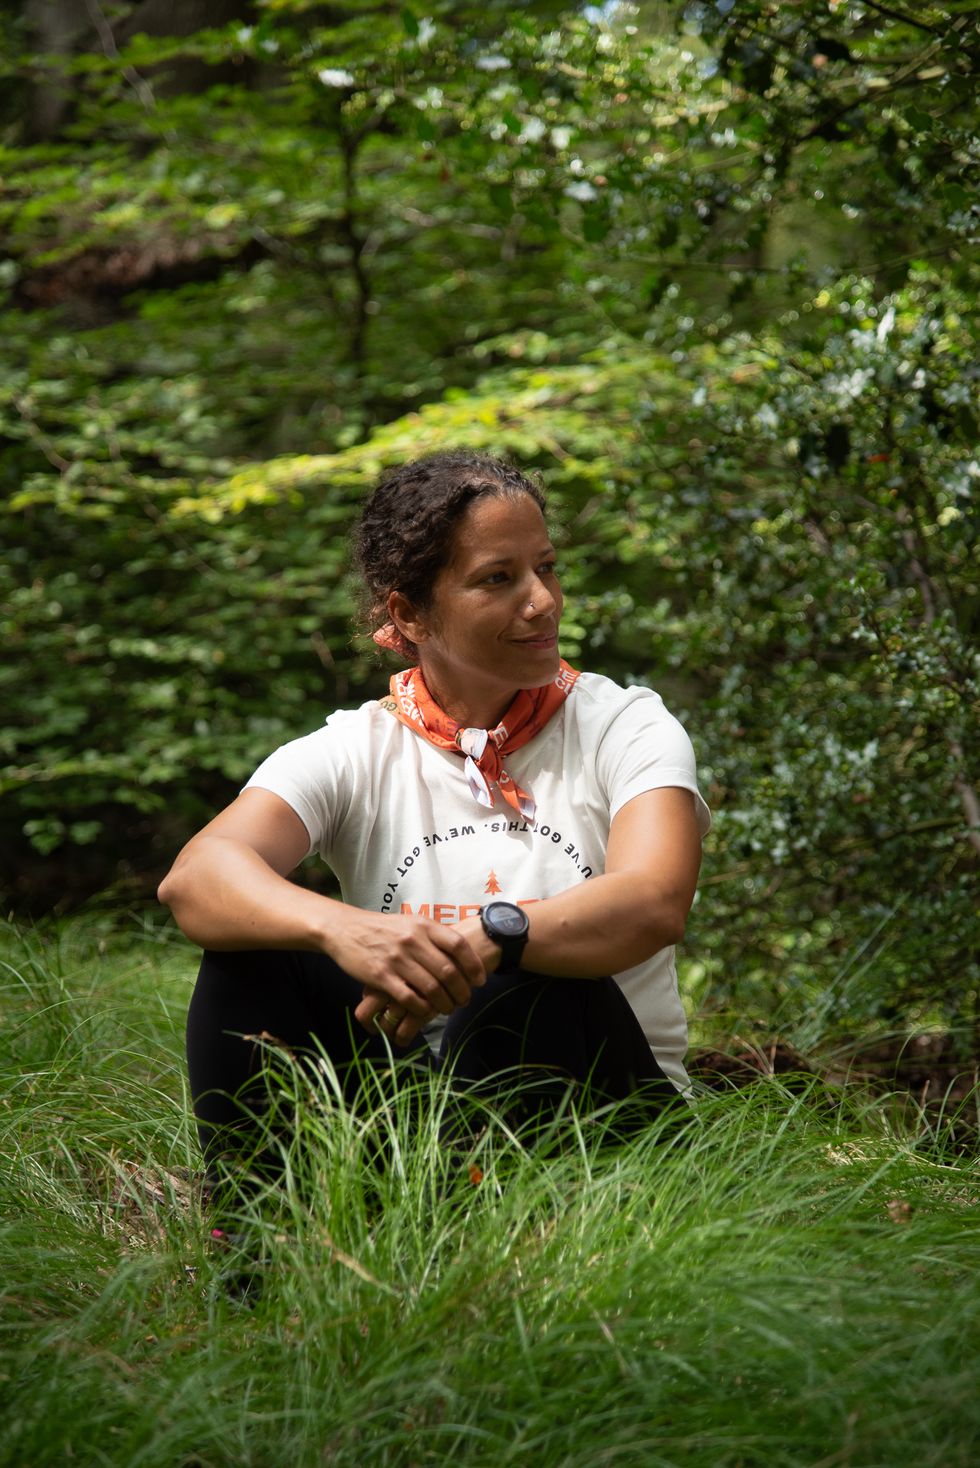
[709,269]
[706,267]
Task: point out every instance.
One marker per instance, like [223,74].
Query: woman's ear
[410,624]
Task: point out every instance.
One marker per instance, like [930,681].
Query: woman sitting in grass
[517,843]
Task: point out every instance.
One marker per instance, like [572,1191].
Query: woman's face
[492,625]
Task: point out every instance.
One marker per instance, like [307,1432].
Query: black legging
[541,1031]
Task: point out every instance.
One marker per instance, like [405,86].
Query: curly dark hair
[406,532]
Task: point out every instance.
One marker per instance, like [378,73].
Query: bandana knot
[483,750]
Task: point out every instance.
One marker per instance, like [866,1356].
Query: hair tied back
[389,638]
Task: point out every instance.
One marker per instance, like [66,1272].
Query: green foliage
[705,267]
[210,627]
[842,619]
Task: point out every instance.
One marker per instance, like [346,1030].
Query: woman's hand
[377,1012]
[411,967]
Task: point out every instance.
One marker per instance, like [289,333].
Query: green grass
[796,1282]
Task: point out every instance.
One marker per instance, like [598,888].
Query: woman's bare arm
[228,889]
[638,906]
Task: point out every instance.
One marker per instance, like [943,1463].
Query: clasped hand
[411,968]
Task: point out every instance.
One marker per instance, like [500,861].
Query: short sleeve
[645,748]
[313,776]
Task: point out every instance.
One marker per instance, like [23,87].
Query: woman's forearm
[223,895]
[638,906]
[602,927]
[599,927]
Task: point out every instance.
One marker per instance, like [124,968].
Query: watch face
[506,919]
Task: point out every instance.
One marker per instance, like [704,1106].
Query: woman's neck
[473,711]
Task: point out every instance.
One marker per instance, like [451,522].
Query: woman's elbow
[169,895]
[668,924]
[177,893]
[168,892]
[676,928]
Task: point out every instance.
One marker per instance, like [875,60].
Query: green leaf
[595,223]
[501,197]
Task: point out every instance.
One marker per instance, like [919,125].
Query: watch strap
[511,945]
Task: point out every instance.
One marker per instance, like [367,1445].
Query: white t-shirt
[393,817]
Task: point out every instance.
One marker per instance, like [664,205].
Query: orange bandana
[484,749]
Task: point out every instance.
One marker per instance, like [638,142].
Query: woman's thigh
[532,1029]
[248,1005]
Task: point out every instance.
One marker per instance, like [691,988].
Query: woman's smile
[544,642]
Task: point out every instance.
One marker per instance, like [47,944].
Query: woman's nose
[540,601]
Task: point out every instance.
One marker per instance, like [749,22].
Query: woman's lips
[545,643]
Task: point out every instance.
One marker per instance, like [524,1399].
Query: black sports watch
[506,925]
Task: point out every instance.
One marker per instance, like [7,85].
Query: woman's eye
[500,578]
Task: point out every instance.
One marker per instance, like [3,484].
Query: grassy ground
[794,1282]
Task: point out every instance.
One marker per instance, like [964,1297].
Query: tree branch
[355,244]
[139,84]
[39,438]
[899,15]
[871,94]
[853,843]
[968,797]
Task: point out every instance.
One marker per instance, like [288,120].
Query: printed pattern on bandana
[483,749]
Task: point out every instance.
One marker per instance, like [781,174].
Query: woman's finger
[422,965]
[430,976]
[377,1012]
[464,971]
[390,1018]
[371,1007]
